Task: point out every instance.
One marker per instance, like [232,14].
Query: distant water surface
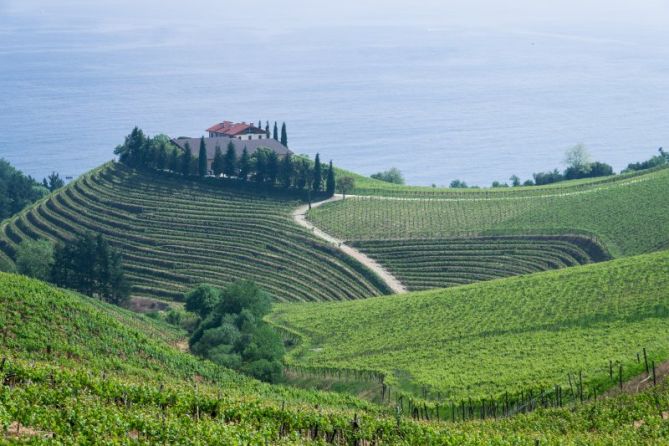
[438,103]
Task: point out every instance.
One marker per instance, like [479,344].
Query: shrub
[34,258]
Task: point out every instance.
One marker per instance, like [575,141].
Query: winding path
[300,217]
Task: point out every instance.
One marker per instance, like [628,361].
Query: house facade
[237,130]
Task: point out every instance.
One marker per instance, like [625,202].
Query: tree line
[87,264]
[264,166]
[18,190]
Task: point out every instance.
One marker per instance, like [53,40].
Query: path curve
[300,217]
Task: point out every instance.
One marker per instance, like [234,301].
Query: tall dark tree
[245,165]
[286,171]
[130,152]
[276,131]
[284,135]
[267,131]
[318,174]
[330,182]
[186,160]
[230,161]
[259,124]
[217,163]
[161,156]
[272,167]
[202,159]
[304,173]
[173,160]
[53,182]
[260,158]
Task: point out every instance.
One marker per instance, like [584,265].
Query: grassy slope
[175,233]
[122,384]
[505,335]
[627,213]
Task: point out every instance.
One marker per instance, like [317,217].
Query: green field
[79,371]
[175,233]
[439,263]
[485,339]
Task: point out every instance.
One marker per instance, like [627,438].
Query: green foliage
[331,181]
[34,258]
[284,135]
[392,175]
[318,174]
[232,332]
[53,182]
[655,161]
[186,161]
[458,184]
[627,213]
[218,163]
[230,161]
[175,233]
[89,265]
[512,334]
[16,190]
[202,159]
[345,185]
[275,135]
[422,264]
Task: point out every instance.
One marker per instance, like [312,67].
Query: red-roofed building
[237,130]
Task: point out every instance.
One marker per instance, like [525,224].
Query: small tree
[244,165]
[186,161]
[218,163]
[578,158]
[330,182]
[318,174]
[515,180]
[276,131]
[392,175]
[173,161]
[202,299]
[202,159]
[345,185]
[230,160]
[161,156]
[284,135]
[458,184]
[53,182]
[272,167]
[34,258]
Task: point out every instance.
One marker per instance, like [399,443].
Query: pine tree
[217,163]
[202,159]
[286,171]
[260,165]
[173,162]
[318,174]
[230,161]
[276,131]
[244,165]
[186,161]
[330,182]
[284,135]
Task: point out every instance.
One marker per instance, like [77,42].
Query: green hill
[480,234]
[75,370]
[175,233]
[508,335]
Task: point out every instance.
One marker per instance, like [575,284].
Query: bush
[34,258]
[392,175]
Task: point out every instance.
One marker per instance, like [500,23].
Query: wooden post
[645,360]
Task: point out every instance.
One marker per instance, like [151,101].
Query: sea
[475,103]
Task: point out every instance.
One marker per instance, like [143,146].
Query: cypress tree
[318,174]
[244,165]
[217,163]
[286,171]
[230,161]
[202,159]
[276,131]
[330,183]
[259,124]
[284,135]
[186,161]
[269,135]
[260,165]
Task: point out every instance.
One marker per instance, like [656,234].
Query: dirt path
[300,217]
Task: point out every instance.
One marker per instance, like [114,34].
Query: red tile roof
[229,128]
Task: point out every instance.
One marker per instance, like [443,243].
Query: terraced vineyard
[440,263]
[74,371]
[174,233]
[484,339]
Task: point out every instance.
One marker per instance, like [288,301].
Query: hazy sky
[287,13]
